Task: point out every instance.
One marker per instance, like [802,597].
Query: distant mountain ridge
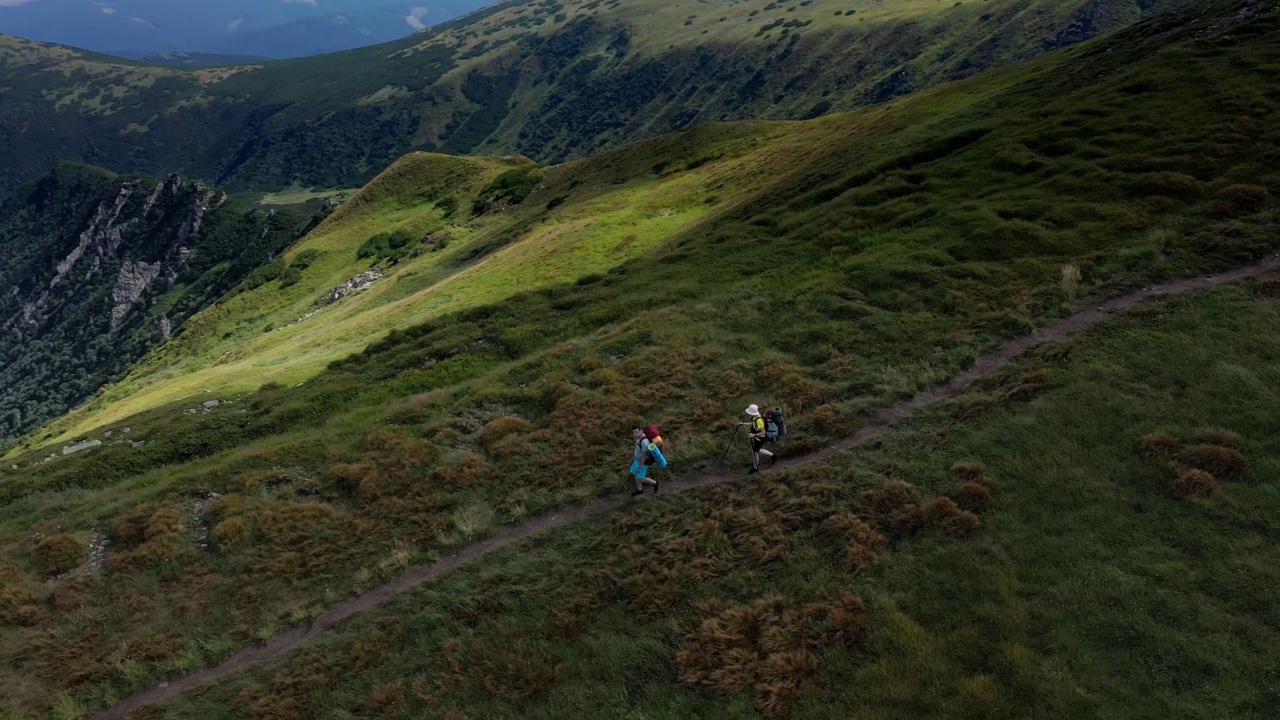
[548,79]
[268,28]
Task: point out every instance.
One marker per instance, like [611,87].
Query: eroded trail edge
[880,422]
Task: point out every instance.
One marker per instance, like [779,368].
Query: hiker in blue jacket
[646,453]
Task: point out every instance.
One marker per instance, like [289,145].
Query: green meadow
[1085,590]
[530,316]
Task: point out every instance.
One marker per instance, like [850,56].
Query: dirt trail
[881,421]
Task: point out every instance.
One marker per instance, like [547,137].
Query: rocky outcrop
[91,258]
[132,282]
[354,285]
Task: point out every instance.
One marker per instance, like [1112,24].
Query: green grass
[297,195]
[1087,592]
[845,263]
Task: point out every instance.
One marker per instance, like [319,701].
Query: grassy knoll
[852,261]
[1087,591]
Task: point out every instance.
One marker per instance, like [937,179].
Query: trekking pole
[731,441]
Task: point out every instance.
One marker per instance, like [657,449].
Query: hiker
[757,429]
[648,452]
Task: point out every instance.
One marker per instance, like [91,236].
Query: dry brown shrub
[166,520]
[800,393]
[468,472]
[384,699]
[1244,197]
[605,378]
[882,504]
[861,541]
[501,427]
[973,496]
[156,647]
[1193,483]
[598,419]
[1028,385]
[73,593]
[961,524]
[288,525]
[956,522]
[129,529]
[28,615]
[846,621]
[772,368]
[968,470]
[1160,445]
[520,675]
[1219,436]
[768,647]
[17,593]
[231,534]
[261,705]
[1173,184]
[346,479]
[58,554]
[1221,462]
[827,419]
[372,487]
[908,521]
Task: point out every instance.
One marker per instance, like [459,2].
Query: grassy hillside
[846,263]
[1087,590]
[545,78]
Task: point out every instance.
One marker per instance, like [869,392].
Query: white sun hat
[753,410]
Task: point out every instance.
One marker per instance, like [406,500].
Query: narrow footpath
[880,422]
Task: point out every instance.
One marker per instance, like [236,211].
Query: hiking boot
[753,471]
[655,487]
[637,493]
[772,459]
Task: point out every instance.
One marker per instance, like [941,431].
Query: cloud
[414,18]
[105,8]
[234,25]
[16,3]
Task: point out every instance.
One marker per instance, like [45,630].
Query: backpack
[775,425]
[652,433]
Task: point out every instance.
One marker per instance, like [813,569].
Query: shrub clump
[18,601]
[769,647]
[392,246]
[1193,483]
[973,496]
[1218,436]
[861,541]
[955,521]
[975,492]
[1172,184]
[58,554]
[1220,462]
[1160,445]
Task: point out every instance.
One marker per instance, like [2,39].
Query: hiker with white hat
[756,429]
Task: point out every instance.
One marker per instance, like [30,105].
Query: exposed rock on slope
[100,268]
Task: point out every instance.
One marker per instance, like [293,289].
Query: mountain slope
[547,79]
[844,264]
[230,27]
[99,269]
